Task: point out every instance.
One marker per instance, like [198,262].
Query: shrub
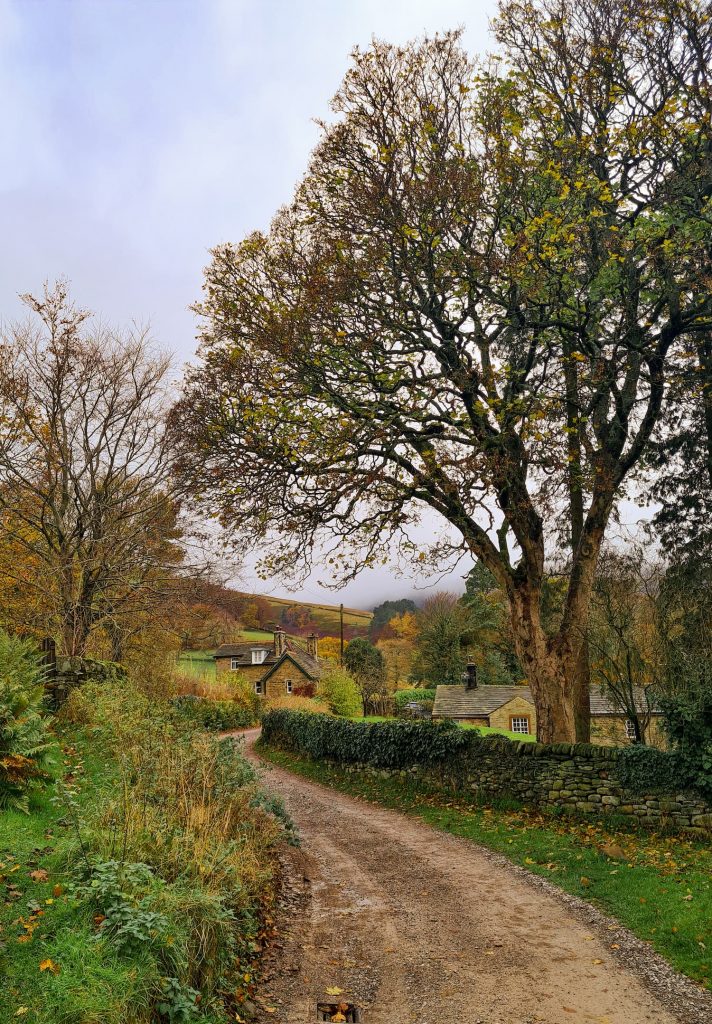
[339,693]
[307,689]
[25,743]
[402,697]
[688,724]
[215,715]
[381,744]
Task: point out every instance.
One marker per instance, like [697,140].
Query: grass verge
[660,887]
[138,888]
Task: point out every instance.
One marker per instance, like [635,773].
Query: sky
[137,134]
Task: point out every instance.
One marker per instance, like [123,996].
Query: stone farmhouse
[512,708]
[276,669]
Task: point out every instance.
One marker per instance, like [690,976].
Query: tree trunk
[582,671]
[75,633]
[548,664]
[582,694]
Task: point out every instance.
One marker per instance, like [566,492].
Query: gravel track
[419,927]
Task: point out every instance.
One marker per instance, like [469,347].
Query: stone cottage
[512,708]
[276,669]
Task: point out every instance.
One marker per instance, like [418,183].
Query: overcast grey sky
[139,133]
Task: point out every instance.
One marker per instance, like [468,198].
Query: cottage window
[258,657]
[289,686]
[520,724]
[258,687]
[630,729]
[234,662]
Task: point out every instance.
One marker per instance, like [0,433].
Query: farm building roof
[459,702]
[243,652]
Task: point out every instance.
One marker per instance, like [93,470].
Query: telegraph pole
[341,625]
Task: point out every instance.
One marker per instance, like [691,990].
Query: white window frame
[518,720]
[259,687]
[630,730]
[289,686]
[234,663]
[258,657]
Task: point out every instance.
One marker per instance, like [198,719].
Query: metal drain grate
[340,1011]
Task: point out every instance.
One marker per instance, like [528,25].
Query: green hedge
[646,769]
[215,715]
[396,744]
[401,744]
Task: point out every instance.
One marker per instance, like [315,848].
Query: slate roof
[458,702]
[243,652]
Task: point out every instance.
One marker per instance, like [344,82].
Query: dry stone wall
[643,785]
[577,779]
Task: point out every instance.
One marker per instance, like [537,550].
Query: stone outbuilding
[512,708]
[276,669]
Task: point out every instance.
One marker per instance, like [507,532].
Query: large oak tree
[471,306]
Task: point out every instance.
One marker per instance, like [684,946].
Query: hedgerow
[400,744]
[397,744]
[646,769]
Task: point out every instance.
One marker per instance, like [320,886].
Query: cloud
[138,133]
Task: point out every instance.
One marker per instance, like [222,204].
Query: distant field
[196,663]
[325,615]
[255,635]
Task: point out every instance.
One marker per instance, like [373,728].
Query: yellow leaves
[334,991]
[50,965]
[21,1011]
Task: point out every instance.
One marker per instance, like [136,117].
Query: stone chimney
[471,676]
[312,645]
[280,642]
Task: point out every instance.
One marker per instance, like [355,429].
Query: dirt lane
[419,927]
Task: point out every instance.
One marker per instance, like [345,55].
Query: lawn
[660,887]
[485,730]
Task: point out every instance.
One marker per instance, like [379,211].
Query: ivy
[396,744]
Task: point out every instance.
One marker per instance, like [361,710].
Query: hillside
[323,617]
